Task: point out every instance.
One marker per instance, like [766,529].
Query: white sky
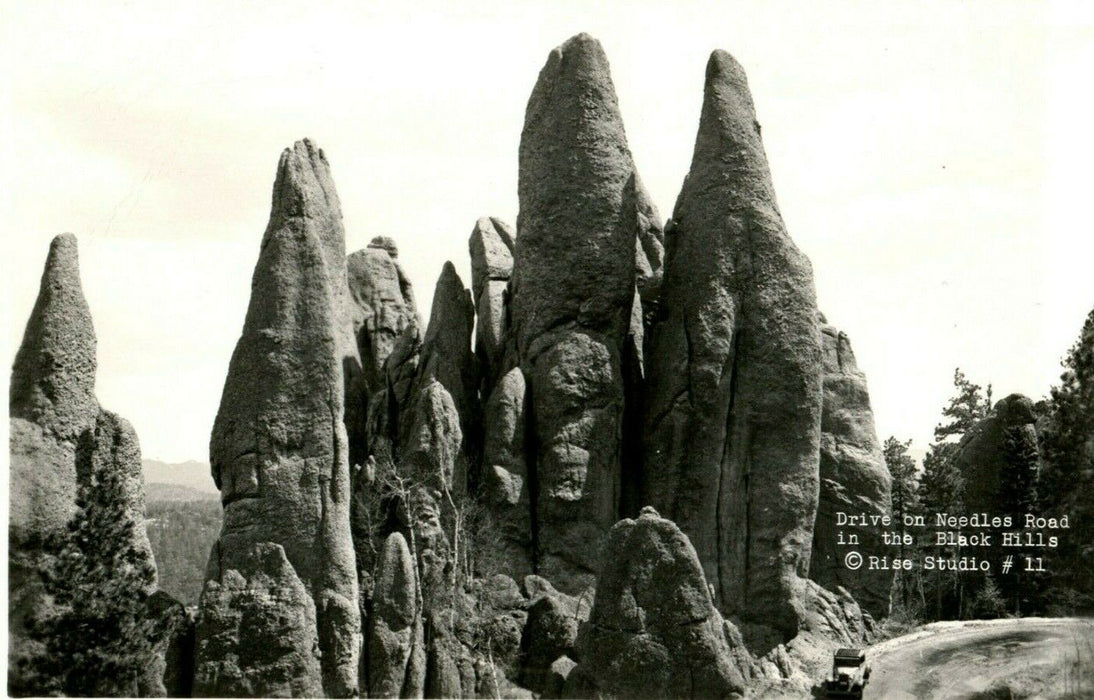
[932,162]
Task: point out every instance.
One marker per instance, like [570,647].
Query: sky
[932,160]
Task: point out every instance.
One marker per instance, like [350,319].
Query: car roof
[850,655]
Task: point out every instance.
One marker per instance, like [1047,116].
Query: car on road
[850,673]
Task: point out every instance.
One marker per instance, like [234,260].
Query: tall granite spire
[734,370]
[279,449]
[573,286]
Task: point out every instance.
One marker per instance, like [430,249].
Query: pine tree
[905,502]
[96,638]
[942,485]
[1067,480]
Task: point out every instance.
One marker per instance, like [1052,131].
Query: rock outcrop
[63,445]
[171,671]
[572,288]
[1001,440]
[112,446]
[279,449]
[396,648]
[257,632]
[380,310]
[853,478]
[734,370]
[654,631]
[51,399]
[491,247]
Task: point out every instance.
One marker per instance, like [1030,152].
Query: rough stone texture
[734,370]
[112,445]
[379,312]
[649,257]
[51,398]
[256,629]
[279,449]
[572,288]
[853,478]
[506,485]
[446,360]
[491,247]
[396,649]
[654,630]
[171,671]
[550,633]
[982,454]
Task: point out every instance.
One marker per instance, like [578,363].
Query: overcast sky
[933,163]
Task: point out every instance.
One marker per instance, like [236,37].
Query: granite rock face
[379,311]
[51,398]
[279,448]
[256,630]
[572,289]
[62,445]
[734,370]
[112,445]
[396,648]
[491,246]
[984,453]
[170,673]
[654,630]
[853,477]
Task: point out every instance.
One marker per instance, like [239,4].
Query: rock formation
[380,311]
[572,291]
[279,449]
[112,446]
[257,632]
[52,398]
[853,478]
[63,445]
[734,370]
[491,247]
[171,671]
[654,631]
[396,647]
[985,453]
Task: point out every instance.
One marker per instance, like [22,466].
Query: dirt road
[1029,657]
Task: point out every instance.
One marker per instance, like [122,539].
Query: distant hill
[158,493]
[192,474]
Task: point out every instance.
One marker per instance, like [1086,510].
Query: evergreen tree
[1068,478]
[95,637]
[942,485]
[905,502]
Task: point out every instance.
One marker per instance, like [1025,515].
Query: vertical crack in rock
[736,289]
[573,285]
[279,446]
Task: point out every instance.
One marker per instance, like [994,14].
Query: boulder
[853,478]
[550,634]
[654,631]
[279,449]
[396,649]
[572,288]
[733,366]
[256,629]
